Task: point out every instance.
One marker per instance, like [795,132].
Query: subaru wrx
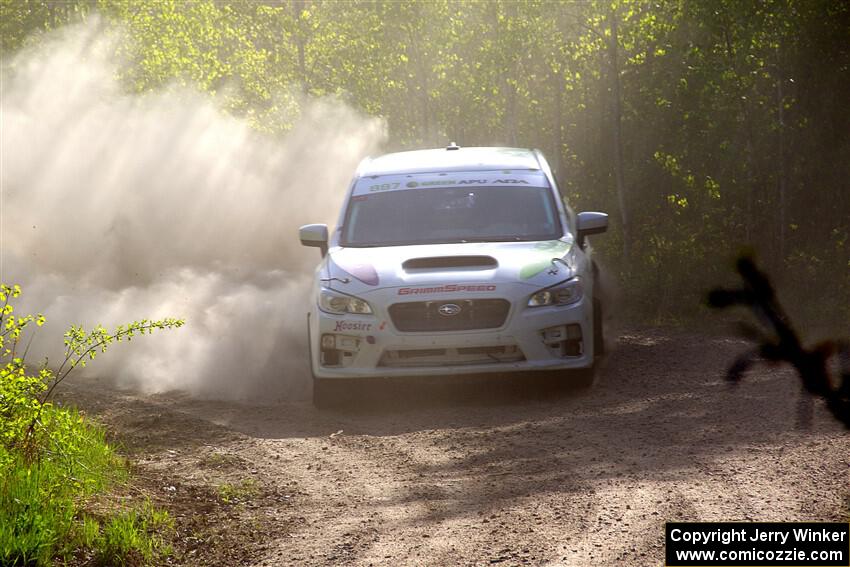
[454,261]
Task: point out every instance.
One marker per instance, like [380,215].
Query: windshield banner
[383,183]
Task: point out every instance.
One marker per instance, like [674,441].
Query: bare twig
[779,342]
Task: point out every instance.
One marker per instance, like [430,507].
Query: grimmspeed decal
[448,288]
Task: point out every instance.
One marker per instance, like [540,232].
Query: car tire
[583,378]
[566,380]
[329,392]
[598,331]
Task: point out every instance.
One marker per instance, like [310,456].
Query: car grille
[432,316]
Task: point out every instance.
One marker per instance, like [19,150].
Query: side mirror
[590,223]
[314,235]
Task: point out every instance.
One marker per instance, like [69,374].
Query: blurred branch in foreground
[777,341]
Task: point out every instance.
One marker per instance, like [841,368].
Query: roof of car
[454,159]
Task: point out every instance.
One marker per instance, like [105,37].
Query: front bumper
[542,338]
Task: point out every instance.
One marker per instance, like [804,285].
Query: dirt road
[494,474]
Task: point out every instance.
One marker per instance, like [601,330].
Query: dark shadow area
[392,396]
[138,424]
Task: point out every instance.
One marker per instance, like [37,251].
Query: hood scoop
[451,262]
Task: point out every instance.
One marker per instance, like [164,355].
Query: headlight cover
[566,293]
[339,303]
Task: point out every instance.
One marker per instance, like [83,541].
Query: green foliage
[39,499]
[710,126]
[23,21]
[52,459]
[242,491]
[137,533]
[24,396]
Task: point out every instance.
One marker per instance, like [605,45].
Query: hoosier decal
[352,326]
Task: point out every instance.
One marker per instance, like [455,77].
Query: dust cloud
[117,207]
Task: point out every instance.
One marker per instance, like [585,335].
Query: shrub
[52,459]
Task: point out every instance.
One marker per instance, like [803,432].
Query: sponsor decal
[446,182]
[532,269]
[558,246]
[352,326]
[448,288]
[364,272]
[383,187]
[382,326]
[402,182]
[542,257]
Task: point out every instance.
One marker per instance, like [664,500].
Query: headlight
[339,303]
[564,294]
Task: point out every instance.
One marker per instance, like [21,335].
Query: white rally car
[454,261]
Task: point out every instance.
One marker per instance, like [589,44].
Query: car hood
[360,270]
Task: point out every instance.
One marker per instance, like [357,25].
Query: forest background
[703,127]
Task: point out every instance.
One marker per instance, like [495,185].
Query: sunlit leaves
[701,89]
[24,393]
[81,345]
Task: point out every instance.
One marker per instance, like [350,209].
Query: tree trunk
[557,126]
[507,87]
[418,87]
[298,7]
[782,181]
[617,109]
[510,111]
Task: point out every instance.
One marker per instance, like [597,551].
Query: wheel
[329,392]
[583,378]
[598,333]
[565,380]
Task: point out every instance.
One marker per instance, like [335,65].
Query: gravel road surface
[492,473]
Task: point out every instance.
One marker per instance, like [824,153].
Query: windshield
[451,214]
